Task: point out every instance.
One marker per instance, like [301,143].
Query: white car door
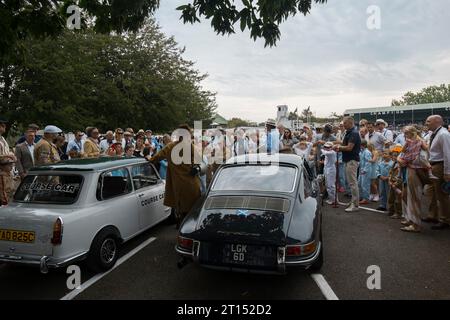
[119,202]
[149,190]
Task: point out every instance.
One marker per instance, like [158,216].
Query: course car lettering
[68,188]
[149,201]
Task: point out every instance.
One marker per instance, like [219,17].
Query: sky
[329,60]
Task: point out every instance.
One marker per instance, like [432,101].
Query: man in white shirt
[118,137]
[107,142]
[375,138]
[387,134]
[440,162]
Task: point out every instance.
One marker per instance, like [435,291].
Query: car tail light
[185,243]
[301,250]
[293,251]
[57,232]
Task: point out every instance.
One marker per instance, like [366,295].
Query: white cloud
[328,59]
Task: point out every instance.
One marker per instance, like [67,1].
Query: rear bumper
[43,262]
[282,265]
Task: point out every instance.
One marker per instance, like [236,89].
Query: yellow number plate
[17,236]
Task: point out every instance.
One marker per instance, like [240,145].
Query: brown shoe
[411,228]
[406,222]
[396,216]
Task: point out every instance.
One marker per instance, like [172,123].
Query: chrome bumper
[44,262]
[281,260]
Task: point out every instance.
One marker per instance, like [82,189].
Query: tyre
[317,265]
[104,252]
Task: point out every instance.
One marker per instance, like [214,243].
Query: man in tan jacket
[182,187]
[45,151]
[4,147]
[8,183]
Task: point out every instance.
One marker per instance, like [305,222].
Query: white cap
[52,129]
[329,144]
[381,121]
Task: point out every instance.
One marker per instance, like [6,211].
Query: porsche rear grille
[248,202]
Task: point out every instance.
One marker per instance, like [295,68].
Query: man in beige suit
[25,154]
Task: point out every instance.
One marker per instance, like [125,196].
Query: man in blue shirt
[350,148]
[273,138]
[75,146]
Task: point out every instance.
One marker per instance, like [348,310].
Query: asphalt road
[412,266]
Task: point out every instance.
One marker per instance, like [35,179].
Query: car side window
[113,183]
[307,184]
[144,175]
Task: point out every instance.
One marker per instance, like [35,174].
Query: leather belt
[437,162]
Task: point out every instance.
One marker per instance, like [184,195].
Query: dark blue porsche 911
[262,213]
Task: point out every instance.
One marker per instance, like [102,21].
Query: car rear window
[256,178]
[57,189]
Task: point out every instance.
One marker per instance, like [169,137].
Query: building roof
[218,119]
[92,164]
[427,106]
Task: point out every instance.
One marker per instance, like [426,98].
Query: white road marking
[370,209]
[97,277]
[363,208]
[324,287]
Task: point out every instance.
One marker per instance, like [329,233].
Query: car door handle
[141,195]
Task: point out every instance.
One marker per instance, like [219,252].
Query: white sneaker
[376,198]
[330,202]
[352,208]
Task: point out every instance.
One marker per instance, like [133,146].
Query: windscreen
[58,189]
[256,178]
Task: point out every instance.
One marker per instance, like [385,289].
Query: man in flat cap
[45,151]
[4,147]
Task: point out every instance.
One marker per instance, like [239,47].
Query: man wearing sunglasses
[75,147]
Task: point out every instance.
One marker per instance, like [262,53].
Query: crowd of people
[51,146]
[367,162]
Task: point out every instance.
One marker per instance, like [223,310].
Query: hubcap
[108,251]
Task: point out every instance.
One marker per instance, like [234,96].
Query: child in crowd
[129,150]
[373,173]
[365,168]
[330,171]
[384,167]
[417,159]
[396,185]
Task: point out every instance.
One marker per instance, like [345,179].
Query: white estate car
[80,209]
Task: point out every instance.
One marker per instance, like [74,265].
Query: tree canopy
[432,94]
[20,19]
[261,17]
[137,80]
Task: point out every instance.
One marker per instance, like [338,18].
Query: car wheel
[104,252]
